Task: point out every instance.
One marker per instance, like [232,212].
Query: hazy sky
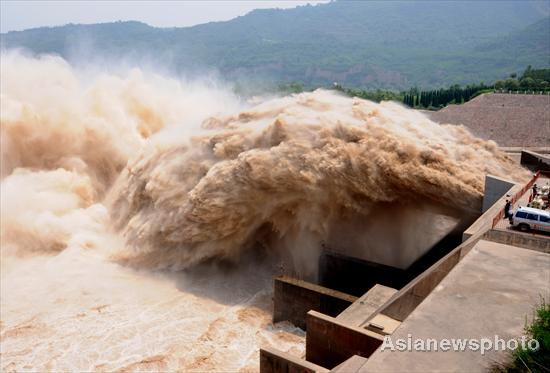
[20,14]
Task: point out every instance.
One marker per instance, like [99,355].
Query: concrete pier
[330,342]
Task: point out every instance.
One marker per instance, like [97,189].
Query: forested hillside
[374,44]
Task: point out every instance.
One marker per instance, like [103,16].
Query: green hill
[368,44]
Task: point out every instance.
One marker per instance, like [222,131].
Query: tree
[511,84]
[527,83]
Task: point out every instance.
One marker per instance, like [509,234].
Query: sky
[20,14]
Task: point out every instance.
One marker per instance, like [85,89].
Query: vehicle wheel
[523,227]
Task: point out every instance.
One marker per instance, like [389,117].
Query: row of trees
[530,80]
[441,97]
[376,96]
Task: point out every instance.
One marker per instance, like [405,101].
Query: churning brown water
[134,207]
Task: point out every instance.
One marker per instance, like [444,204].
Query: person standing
[507,208]
[510,212]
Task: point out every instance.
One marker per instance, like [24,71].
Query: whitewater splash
[146,171]
[65,140]
[296,167]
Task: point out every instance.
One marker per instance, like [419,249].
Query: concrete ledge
[294,298]
[275,361]
[485,221]
[362,308]
[329,342]
[519,149]
[535,161]
[538,243]
[353,364]
[382,324]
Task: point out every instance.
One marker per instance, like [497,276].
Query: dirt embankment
[508,119]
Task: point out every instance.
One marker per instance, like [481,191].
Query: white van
[526,218]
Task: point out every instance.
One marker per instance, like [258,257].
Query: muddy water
[78,312]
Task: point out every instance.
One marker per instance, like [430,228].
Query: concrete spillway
[486,286]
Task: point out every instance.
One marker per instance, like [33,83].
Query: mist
[144,216]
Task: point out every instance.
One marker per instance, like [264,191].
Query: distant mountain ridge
[384,44]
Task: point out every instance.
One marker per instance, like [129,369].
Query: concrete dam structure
[457,292]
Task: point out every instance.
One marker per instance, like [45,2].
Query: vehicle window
[545,219]
[521,214]
[532,217]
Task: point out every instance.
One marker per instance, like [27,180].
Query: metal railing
[522,92]
[498,217]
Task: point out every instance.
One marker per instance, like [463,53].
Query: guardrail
[515,197]
[522,92]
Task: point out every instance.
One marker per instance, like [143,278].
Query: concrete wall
[330,342]
[294,298]
[356,276]
[351,236]
[400,306]
[492,291]
[275,361]
[495,188]
[485,221]
[410,296]
[535,161]
[519,149]
[527,241]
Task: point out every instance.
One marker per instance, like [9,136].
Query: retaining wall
[294,298]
